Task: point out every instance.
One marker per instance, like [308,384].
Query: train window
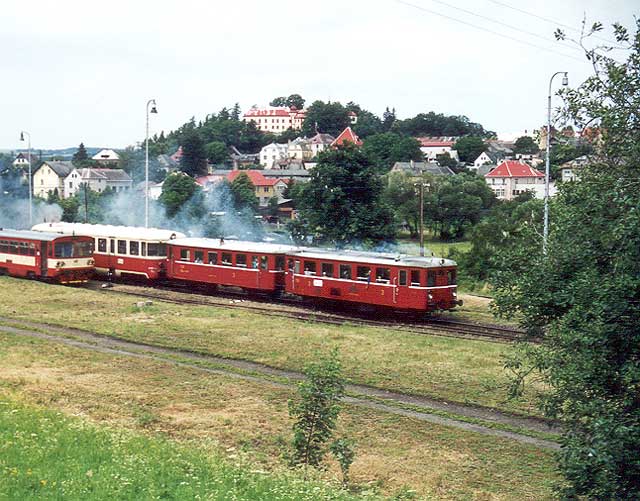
[13,247]
[345,271]
[452,277]
[23,248]
[297,268]
[185,255]
[290,265]
[241,260]
[112,246]
[280,263]
[264,263]
[4,246]
[134,248]
[254,262]
[212,257]
[63,249]
[415,278]
[122,246]
[102,245]
[143,251]
[431,279]
[198,256]
[383,275]
[159,250]
[327,269]
[32,249]
[363,273]
[82,249]
[402,277]
[309,267]
[226,258]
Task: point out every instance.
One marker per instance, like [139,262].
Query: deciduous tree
[177,189]
[469,148]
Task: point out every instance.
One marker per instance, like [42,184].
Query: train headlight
[430,296]
[59,264]
[91,262]
[454,294]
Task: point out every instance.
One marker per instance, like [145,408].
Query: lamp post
[152,103]
[545,232]
[22,134]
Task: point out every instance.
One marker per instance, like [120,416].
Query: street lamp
[152,103]
[22,134]
[545,233]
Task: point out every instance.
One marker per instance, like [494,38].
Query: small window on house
[226,258]
[185,255]
[212,258]
[102,245]
[383,275]
[279,263]
[452,277]
[241,260]
[431,279]
[327,269]
[264,262]
[415,278]
[363,273]
[122,246]
[309,267]
[134,248]
[198,256]
[345,271]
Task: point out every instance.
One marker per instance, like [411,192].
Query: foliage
[469,148]
[69,208]
[81,158]
[342,450]
[584,294]
[367,124]
[437,124]
[316,409]
[272,208]
[217,152]
[244,193]
[327,118]
[293,101]
[400,193]
[445,160]
[526,145]
[342,202]
[194,155]
[387,148]
[177,189]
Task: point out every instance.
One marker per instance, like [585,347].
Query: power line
[546,19]
[482,28]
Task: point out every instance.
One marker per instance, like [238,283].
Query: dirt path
[421,405]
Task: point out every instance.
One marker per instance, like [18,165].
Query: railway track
[289,308]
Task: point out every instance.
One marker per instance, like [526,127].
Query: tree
[328,118]
[81,157]
[526,145]
[177,190]
[217,152]
[388,119]
[582,296]
[400,193]
[342,201]
[194,155]
[244,193]
[293,101]
[278,101]
[342,450]
[445,160]
[437,124]
[316,409]
[387,148]
[469,148]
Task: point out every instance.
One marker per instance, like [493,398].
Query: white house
[511,178]
[486,158]
[22,161]
[299,149]
[320,142]
[569,170]
[275,119]
[106,157]
[272,153]
[96,180]
[49,178]
[431,147]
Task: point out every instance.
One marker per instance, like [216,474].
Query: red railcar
[122,250]
[383,280]
[46,256]
[253,266]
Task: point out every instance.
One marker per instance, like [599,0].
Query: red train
[389,281]
[66,259]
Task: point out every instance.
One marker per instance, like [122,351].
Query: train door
[43,259]
[399,291]
[111,265]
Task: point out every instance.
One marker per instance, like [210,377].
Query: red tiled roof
[347,136]
[275,111]
[511,168]
[255,176]
[435,142]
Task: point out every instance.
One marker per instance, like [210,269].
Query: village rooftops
[513,168]
[347,136]
[61,168]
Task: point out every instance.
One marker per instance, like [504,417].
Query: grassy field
[445,368]
[226,429]
[435,246]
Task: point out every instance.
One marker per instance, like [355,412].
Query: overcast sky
[83,71]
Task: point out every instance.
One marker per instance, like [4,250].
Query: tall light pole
[22,134]
[152,103]
[545,232]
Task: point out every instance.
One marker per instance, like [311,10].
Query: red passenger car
[122,250]
[46,256]
[404,283]
[253,266]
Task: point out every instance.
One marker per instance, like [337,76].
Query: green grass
[446,368]
[44,455]
[432,245]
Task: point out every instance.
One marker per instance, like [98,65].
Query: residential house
[22,161]
[239,160]
[177,156]
[486,158]
[320,142]
[570,170]
[297,175]
[299,149]
[275,119]
[265,188]
[106,157]
[346,136]
[353,117]
[155,189]
[511,178]
[431,147]
[416,169]
[50,176]
[167,163]
[96,180]
[272,153]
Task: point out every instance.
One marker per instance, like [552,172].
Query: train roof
[234,245]
[106,230]
[30,235]
[373,258]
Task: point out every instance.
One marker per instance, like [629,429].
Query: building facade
[96,180]
[271,154]
[512,178]
[49,178]
[275,119]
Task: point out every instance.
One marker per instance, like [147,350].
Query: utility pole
[422,187]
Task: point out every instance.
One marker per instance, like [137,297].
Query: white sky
[83,71]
